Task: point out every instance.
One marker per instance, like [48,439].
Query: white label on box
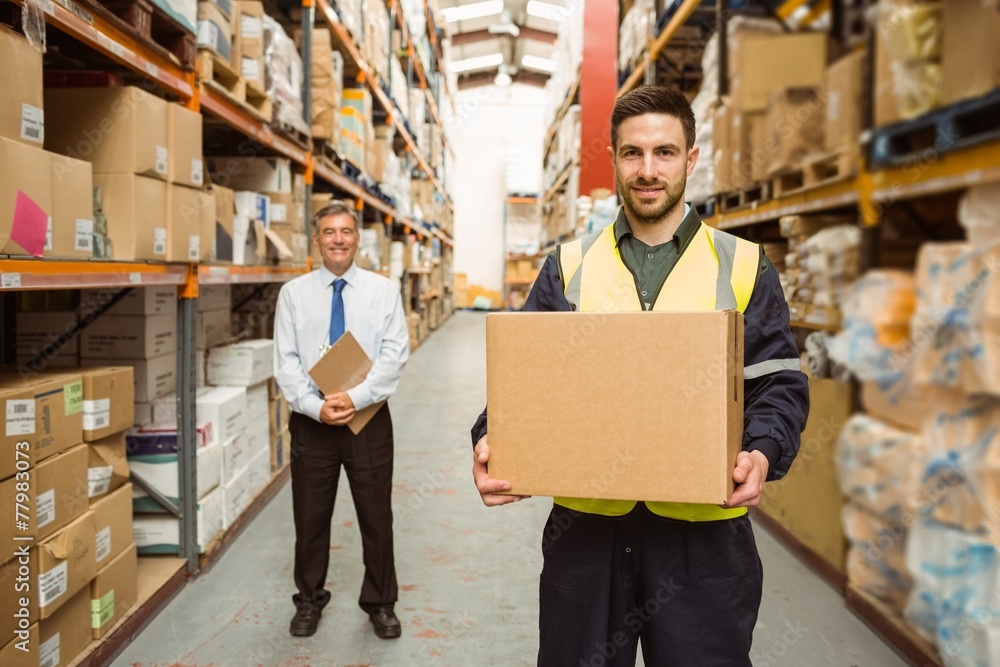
[197,171]
[251,69]
[8,280]
[208,34]
[104,544]
[251,27]
[47,6]
[32,124]
[20,417]
[152,70]
[52,584]
[117,49]
[46,508]
[161,160]
[48,653]
[159,240]
[279,213]
[84,235]
[194,247]
[48,235]
[833,105]
[98,480]
[96,414]
[135,278]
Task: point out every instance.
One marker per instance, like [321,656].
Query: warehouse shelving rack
[164,576]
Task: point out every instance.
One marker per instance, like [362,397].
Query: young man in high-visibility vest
[681,580]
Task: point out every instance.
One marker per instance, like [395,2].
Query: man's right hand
[488,487]
[334,413]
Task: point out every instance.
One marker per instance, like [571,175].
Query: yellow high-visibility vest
[717,271]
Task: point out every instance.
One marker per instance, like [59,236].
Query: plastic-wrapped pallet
[634,33]
[879,466]
[960,485]
[910,39]
[876,561]
[877,317]
[955,593]
[400,91]
[283,75]
[956,327]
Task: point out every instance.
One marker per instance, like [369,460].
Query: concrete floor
[468,574]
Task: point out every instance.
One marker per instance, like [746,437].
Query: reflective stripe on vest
[717,271]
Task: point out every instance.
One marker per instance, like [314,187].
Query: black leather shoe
[387,626]
[304,623]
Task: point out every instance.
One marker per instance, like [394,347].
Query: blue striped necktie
[337,325]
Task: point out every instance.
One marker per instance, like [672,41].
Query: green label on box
[102,610]
[74,397]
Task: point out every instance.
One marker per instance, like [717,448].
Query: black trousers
[318,452]
[689,591]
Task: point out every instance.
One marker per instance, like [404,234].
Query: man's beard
[644,214]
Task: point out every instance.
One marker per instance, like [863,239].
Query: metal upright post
[308,22]
[187,442]
[722,30]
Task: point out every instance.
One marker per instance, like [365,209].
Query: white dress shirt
[373,313]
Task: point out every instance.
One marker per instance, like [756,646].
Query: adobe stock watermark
[781,647]
[563,519]
[634,620]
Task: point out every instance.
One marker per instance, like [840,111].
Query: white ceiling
[521,46]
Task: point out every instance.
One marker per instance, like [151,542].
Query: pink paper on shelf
[29,225]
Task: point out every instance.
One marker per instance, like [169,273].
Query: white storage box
[160,533]
[241,364]
[224,408]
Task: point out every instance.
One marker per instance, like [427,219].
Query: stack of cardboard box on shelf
[66,476]
[377,36]
[774,118]
[45,199]
[265,61]
[241,423]
[791,112]
[821,265]
[327,69]
[263,201]
[147,166]
[521,274]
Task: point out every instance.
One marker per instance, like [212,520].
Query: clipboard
[344,366]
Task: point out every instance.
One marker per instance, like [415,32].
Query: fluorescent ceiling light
[478,62]
[503,78]
[535,62]
[546,10]
[476,10]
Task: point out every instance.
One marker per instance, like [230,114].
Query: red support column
[598,89]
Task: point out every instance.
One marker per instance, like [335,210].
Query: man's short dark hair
[335,207]
[653,99]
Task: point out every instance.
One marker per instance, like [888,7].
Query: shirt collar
[326,275]
[689,225]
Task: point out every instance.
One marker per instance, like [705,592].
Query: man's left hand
[343,407]
[749,475]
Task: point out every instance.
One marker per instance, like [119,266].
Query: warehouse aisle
[468,575]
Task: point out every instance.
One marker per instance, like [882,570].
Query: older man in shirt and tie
[313,311]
